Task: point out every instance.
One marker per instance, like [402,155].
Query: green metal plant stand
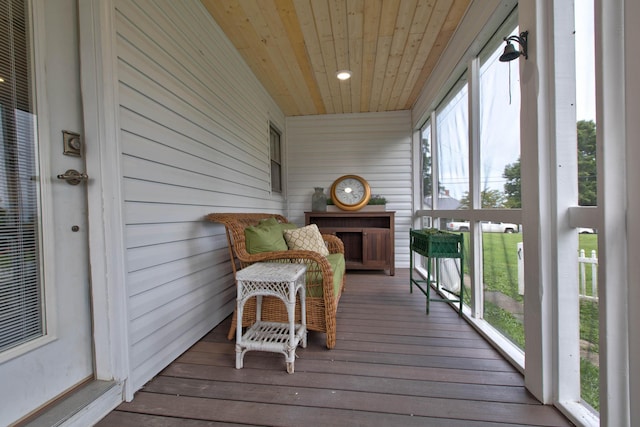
[435,244]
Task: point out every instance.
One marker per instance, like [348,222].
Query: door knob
[73,177]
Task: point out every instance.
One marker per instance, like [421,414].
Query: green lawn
[500,270]
[500,253]
[590,333]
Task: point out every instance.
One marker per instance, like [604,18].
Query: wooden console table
[368,237]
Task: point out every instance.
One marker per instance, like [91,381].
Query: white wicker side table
[282,281]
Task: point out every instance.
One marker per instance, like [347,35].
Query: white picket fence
[586,293]
[588,288]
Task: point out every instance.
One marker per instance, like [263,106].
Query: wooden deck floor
[392,366]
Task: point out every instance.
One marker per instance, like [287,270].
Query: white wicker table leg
[303,313]
[239,315]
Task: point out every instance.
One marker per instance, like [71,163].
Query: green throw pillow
[266,236]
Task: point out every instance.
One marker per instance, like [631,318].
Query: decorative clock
[350,192]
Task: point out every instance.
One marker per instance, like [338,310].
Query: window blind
[21,296]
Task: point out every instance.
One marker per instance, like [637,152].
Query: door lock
[72,143]
[73,177]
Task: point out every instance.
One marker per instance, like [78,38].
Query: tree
[587,171]
[512,187]
[489,198]
[426,168]
[427,176]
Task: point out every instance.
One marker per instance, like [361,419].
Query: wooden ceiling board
[388,16]
[340,36]
[455,15]
[287,11]
[417,32]
[284,58]
[436,15]
[295,48]
[396,50]
[314,52]
[322,20]
[355,23]
[271,29]
[231,18]
[372,17]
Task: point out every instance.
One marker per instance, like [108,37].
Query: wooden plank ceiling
[295,48]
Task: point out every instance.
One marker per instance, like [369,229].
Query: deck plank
[392,365]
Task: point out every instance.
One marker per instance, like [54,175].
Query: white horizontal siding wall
[195,139]
[375,146]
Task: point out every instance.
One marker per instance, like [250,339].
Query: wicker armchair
[321,311]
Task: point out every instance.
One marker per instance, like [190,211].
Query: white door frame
[99,84]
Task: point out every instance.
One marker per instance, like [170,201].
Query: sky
[500,113]
[585,62]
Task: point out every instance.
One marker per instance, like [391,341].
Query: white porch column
[632,116]
[618,113]
[549,188]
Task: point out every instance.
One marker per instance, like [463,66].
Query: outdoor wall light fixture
[343,74]
[510,52]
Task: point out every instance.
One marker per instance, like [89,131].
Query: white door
[45,316]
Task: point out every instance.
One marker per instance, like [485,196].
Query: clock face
[350,192]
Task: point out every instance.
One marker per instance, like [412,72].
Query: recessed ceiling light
[343,74]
